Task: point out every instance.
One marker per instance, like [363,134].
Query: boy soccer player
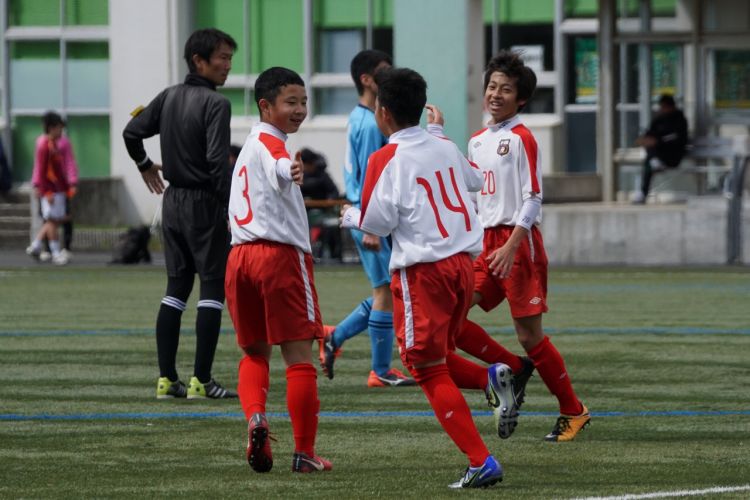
[513,264]
[269,283]
[374,313]
[416,190]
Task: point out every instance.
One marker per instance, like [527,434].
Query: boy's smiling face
[288,110]
[501,97]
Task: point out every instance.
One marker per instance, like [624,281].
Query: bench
[708,161]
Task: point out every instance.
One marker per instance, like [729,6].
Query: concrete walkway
[19,259]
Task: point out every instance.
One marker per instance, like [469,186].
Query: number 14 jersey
[417,190]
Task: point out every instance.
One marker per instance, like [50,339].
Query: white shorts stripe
[408,312]
[173,302]
[308,288]
[211,304]
[531,245]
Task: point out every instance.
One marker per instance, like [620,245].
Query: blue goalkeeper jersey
[363,139]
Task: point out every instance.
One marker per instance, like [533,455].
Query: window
[59,60]
[272,33]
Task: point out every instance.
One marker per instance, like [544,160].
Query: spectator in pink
[55,178]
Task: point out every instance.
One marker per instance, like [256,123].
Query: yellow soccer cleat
[567,427]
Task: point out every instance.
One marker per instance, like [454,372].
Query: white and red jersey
[264,202]
[417,190]
[508,157]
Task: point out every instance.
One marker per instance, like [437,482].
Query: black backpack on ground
[132,246]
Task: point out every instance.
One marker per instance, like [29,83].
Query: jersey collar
[269,129]
[405,133]
[506,124]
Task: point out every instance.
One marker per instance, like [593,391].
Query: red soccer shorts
[430,302]
[526,287]
[271,294]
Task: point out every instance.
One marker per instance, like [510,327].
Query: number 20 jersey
[262,205]
[508,156]
[417,190]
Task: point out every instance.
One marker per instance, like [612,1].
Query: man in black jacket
[665,142]
[192,121]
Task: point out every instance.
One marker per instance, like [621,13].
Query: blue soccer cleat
[489,473]
[502,399]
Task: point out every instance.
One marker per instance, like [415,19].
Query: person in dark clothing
[192,121]
[317,184]
[323,221]
[665,142]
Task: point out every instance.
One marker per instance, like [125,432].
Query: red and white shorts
[270,294]
[526,287]
[430,303]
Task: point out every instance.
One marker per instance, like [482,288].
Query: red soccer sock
[474,340]
[303,405]
[551,368]
[466,374]
[452,411]
[252,384]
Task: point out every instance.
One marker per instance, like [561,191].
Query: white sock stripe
[173,302]
[211,304]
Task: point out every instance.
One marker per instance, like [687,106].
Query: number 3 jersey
[508,157]
[264,202]
[417,190]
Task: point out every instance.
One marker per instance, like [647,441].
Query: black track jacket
[192,121]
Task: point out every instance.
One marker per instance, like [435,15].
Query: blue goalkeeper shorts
[374,263]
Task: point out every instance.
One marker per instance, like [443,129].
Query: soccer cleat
[489,473]
[302,462]
[394,378]
[501,398]
[211,389]
[60,259]
[32,252]
[328,351]
[521,379]
[259,444]
[166,389]
[567,427]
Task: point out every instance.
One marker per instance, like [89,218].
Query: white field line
[679,493]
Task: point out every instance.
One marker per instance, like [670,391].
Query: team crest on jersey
[504,147]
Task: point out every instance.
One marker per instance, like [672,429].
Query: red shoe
[302,462]
[394,378]
[259,444]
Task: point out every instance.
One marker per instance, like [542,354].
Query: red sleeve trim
[529,144]
[274,145]
[478,132]
[375,166]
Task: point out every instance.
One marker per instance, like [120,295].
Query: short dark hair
[307,155]
[403,92]
[667,100]
[511,64]
[204,42]
[51,119]
[269,83]
[364,63]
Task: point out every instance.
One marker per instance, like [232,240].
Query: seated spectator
[318,185]
[665,142]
